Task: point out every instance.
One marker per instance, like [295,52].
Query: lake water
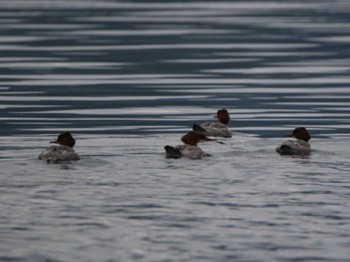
[127,78]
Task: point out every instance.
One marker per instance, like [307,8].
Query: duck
[62,151]
[297,146]
[216,129]
[189,148]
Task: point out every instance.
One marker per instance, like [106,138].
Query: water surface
[127,78]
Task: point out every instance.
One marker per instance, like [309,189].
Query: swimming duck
[219,128]
[63,151]
[297,146]
[189,149]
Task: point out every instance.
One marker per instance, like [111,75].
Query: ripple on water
[127,78]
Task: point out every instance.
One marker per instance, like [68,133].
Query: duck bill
[53,142]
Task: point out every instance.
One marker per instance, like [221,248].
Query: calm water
[128,77]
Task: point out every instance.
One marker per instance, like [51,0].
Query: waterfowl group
[297,145]
[200,133]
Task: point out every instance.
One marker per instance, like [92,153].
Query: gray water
[127,78]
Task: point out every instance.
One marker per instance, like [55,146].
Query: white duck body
[217,129]
[294,147]
[191,151]
[57,153]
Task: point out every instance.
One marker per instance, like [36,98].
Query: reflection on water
[128,77]
[80,61]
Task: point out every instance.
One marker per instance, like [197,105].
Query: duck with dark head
[62,151]
[189,148]
[217,129]
[299,145]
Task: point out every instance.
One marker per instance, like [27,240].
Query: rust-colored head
[193,138]
[223,116]
[301,133]
[65,139]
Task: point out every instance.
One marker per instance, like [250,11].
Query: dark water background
[128,77]
[143,67]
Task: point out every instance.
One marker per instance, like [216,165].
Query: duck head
[223,116]
[65,139]
[193,138]
[301,133]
